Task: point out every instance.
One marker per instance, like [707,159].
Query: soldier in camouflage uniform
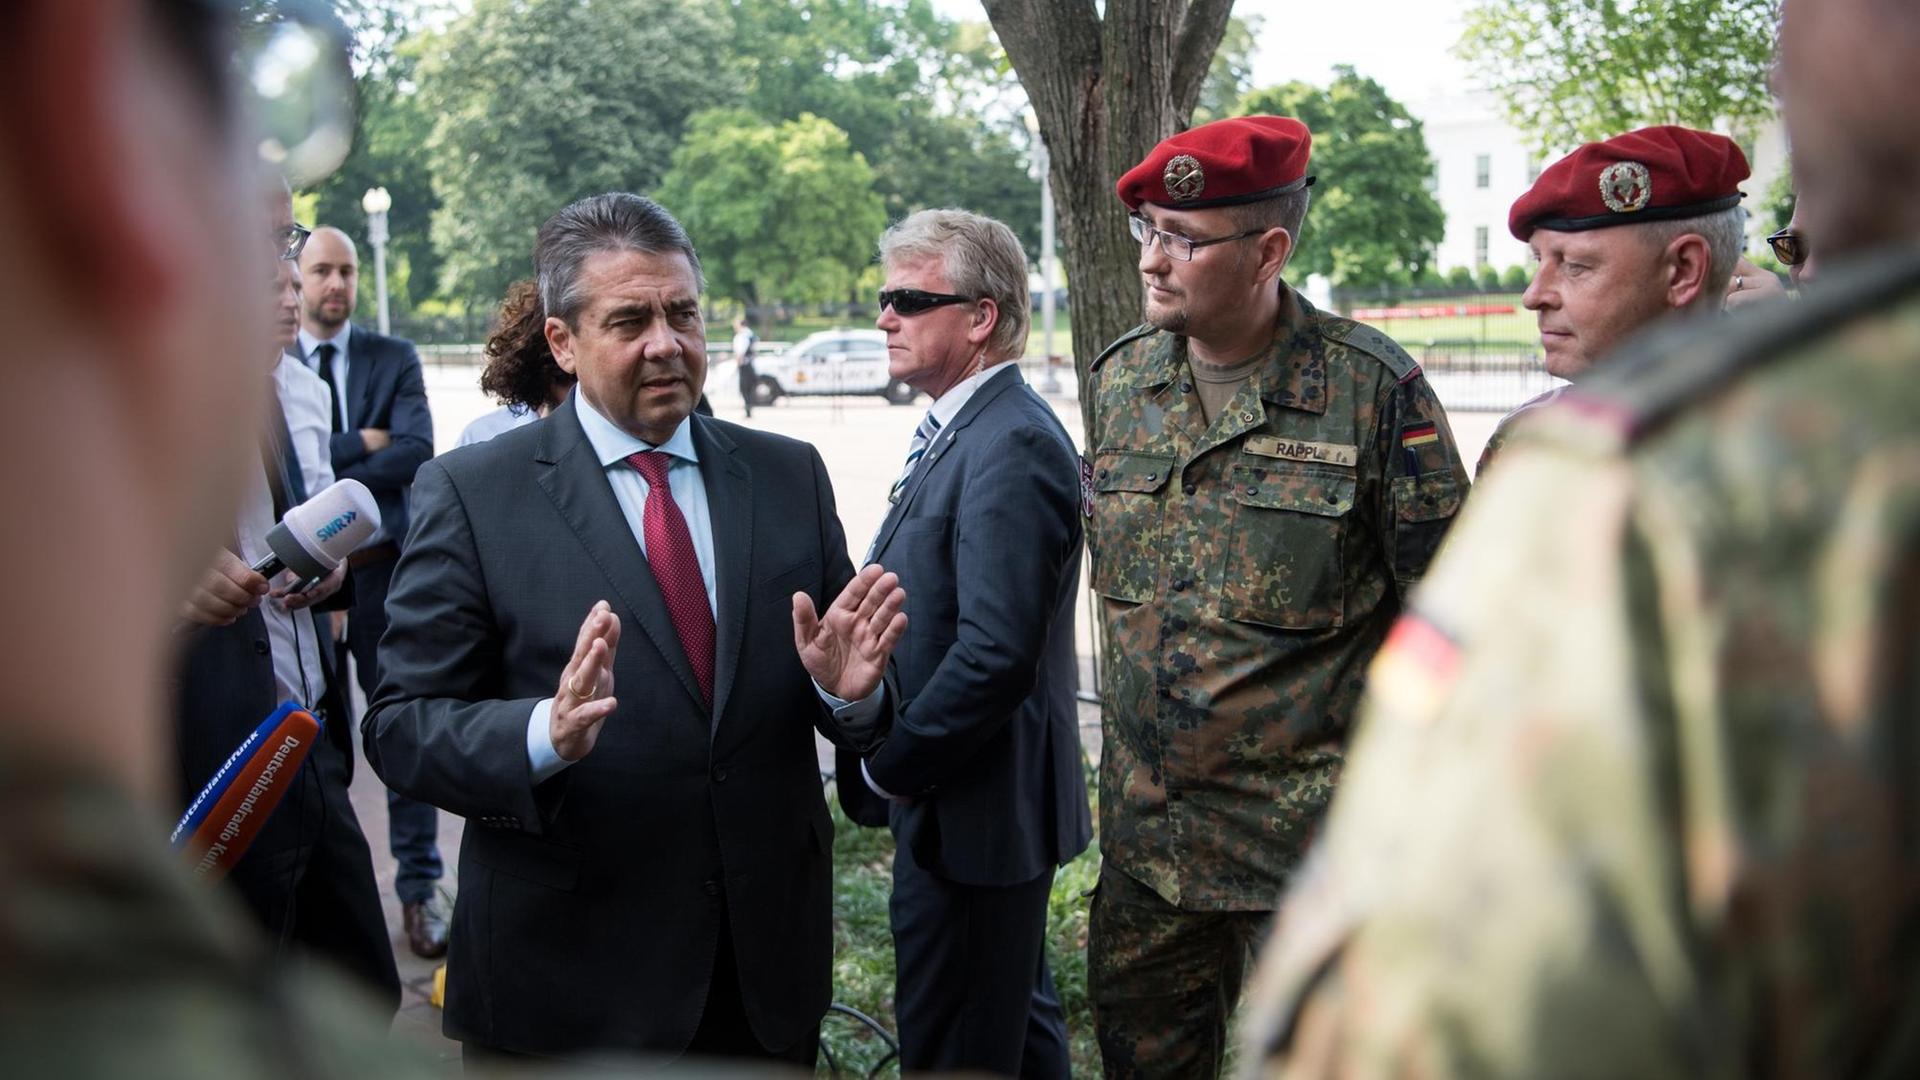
[139,282]
[1637,790]
[1623,233]
[1266,481]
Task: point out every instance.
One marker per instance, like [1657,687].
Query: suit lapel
[574,479]
[938,452]
[729,485]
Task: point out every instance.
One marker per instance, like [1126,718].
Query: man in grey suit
[590,657]
[981,769]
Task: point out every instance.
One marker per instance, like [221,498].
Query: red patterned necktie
[676,568]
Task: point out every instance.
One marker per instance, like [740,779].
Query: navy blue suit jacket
[385,391]
[985,738]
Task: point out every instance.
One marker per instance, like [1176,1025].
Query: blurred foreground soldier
[1624,232]
[1647,808]
[135,292]
[1265,482]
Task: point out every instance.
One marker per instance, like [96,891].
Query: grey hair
[981,258]
[1287,212]
[1725,232]
[616,221]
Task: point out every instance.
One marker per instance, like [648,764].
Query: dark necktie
[676,569]
[284,479]
[324,351]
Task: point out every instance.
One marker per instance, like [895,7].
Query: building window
[1480,237]
[1483,171]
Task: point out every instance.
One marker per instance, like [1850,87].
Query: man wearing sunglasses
[136,269]
[1636,790]
[1266,481]
[980,774]
[1624,233]
[1790,246]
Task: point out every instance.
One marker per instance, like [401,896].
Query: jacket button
[260,646]
[1246,417]
[1186,388]
[1190,487]
[719,776]
[711,888]
[1153,476]
[1253,491]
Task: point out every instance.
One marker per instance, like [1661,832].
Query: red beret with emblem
[1228,162]
[1654,174]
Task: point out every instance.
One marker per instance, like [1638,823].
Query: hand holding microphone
[311,541]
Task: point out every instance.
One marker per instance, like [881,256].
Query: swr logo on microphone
[332,528]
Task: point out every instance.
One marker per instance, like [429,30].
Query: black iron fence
[1483,376]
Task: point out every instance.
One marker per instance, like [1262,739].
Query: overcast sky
[1405,44]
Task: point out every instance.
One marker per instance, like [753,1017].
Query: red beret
[1654,174]
[1239,160]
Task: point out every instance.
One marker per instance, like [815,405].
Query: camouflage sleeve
[1423,480]
[1492,895]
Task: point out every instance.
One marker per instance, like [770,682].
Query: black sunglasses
[905,302]
[1789,247]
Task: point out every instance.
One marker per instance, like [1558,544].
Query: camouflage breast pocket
[1286,560]
[1125,533]
[1423,510]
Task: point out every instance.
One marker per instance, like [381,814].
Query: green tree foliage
[1372,221]
[1231,76]
[536,103]
[1516,279]
[784,211]
[1573,71]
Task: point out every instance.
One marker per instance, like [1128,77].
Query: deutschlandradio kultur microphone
[314,536]
[224,818]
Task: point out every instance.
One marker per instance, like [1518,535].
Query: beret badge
[1184,178]
[1626,187]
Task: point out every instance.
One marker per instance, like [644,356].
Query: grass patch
[863,947]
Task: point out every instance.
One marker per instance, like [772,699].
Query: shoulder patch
[1135,334]
[1366,339]
[1644,386]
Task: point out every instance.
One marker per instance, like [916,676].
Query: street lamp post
[376,202]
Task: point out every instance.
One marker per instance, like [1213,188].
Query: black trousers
[320,898]
[972,988]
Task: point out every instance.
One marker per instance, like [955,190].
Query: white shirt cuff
[544,760]
[857,712]
[875,788]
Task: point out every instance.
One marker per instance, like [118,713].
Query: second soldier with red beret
[1266,482]
[1624,232]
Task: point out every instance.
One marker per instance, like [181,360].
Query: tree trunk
[1104,91]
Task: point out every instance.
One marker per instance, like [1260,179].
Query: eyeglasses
[291,241]
[907,302]
[1789,247]
[1177,246]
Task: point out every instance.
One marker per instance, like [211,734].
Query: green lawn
[863,946]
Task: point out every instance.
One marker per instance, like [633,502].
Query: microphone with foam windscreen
[314,536]
[224,818]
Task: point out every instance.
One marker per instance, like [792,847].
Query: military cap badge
[1626,187]
[1184,177]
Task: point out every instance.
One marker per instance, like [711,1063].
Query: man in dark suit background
[982,767]
[246,646]
[382,433]
[591,658]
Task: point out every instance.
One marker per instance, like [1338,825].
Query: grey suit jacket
[590,905]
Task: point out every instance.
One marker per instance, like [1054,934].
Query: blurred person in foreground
[135,272]
[520,372]
[1624,233]
[1637,788]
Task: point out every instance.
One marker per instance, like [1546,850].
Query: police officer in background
[1623,233]
[1637,787]
[1266,482]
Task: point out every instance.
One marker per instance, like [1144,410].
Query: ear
[91,154]
[986,316]
[1687,263]
[1275,247]
[560,340]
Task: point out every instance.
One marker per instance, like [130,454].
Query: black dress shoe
[426,930]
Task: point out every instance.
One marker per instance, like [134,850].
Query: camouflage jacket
[1248,570]
[1503,431]
[1638,786]
[114,963]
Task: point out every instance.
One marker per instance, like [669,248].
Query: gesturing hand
[585,698]
[846,650]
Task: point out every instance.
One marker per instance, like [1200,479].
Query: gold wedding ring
[573,687]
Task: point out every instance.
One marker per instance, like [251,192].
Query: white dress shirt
[498,422]
[291,635]
[309,347]
[944,409]
[612,446]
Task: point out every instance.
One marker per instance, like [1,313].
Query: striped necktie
[922,438]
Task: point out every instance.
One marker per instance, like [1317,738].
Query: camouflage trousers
[1163,980]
